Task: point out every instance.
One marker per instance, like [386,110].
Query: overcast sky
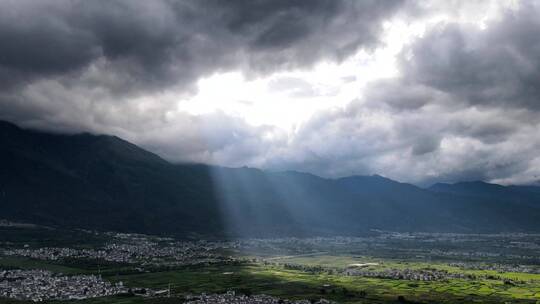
[421,92]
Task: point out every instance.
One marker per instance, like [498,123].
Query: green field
[341,261]
[294,284]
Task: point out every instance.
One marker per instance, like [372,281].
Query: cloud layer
[464,105]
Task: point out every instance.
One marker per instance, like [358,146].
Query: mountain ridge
[106,183]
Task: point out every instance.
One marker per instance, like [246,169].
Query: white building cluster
[42,285]
[232,298]
[408,274]
[135,249]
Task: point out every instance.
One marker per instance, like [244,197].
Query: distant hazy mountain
[106,183]
[492,192]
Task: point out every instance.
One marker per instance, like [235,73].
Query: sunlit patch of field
[343,261]
[295,284]
[326,260]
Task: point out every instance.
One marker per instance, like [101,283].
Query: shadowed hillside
[106,183]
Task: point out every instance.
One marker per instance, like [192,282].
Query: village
[409,274]
[232,298]
[42,285]
[135,249]
[534,269]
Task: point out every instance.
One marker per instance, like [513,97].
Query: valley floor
[344,270]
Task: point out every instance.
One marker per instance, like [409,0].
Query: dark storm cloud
[154,44]
[38,43]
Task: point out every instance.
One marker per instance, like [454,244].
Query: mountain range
[106,183]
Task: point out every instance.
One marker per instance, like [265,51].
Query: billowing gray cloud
[496,66]
[424,146]
[465,107]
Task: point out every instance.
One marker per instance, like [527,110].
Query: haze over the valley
[420,92]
